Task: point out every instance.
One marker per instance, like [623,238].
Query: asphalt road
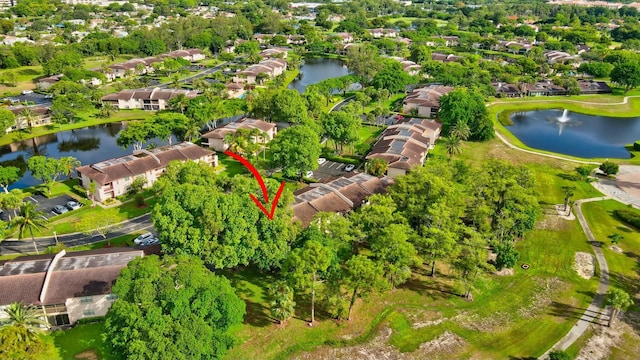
[14,246]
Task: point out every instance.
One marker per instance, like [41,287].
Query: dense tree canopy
[173,308]
[466,106]
[296,149]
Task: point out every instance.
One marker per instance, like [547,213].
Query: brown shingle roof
[114,169]
[231,128]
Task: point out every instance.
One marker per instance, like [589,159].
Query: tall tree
[464,105]
[8,175]
[46,169]
[452,145]
[100,224]
[20,331]
[174,308]
[619,300]
[626,75]
[364,61]
[306,266]
[296,150]
[29,220]
[362,276]
[67,165]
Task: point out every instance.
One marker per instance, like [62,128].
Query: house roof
[428,96]
[406,143]
[82,273]
[150,94]
[337,194]
[132,165]
[245,123]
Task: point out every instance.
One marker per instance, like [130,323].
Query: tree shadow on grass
[522,358]
[257,309]
[566,311]
[432,288]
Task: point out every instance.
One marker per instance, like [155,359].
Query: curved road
[25,246]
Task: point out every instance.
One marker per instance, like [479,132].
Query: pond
[89,145]
[315,70]
[575,134]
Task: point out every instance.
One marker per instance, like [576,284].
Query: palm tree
[23,317]
[192,131]
[107,109]
[461,130]
[29,219]
[452,144]
[179,103]
[29,116]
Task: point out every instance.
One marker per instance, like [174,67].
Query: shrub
[109,201]
[139,199]
[559,355]
[628,216]
[636,145]
[91,320]
[507,256]
[609,168]
[584,171]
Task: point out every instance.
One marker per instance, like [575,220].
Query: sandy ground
[564,214]
[584,265]
[441,347]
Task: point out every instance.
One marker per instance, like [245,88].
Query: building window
[58,320]
[112,297]
[88,312]
[86,299]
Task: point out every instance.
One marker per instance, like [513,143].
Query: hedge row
[628,216]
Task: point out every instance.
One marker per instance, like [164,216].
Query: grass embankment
[84,119]
[604,105]
[525,313]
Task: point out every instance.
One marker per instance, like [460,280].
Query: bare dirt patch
[616,249]
[87,355]
[441,347]
[505,272]
[564,214]
[542,297]
[603,340]
[584,265]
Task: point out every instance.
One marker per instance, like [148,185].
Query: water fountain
[564,118]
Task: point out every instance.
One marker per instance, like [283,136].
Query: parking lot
[329,169]
[46,205]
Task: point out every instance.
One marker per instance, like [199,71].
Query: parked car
[73,205]
[142,239]
[308,174]
[321,161]
[152,241]
[349,167]
[59,209]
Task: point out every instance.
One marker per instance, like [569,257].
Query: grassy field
[25,79]
[623,266]
[81,339]
[94,62]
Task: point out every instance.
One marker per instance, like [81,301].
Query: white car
[142,239]
[152,241]
[321,161]
[349,167]
[308,174]
[73,205]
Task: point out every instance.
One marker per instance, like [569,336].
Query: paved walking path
[25,246]
[595,309]
[624,101]
[506,142]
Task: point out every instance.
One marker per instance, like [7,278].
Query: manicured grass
[229,165]
[589,104]
[367,135]
[86,119]
[99,61]
[25,79]
[622,266]
[80,339]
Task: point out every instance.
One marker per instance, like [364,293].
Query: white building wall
[77,309]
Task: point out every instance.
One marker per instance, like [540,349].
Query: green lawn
[25,79]
[622,266]
[80,339]
[99,61]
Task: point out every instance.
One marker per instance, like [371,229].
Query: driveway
[329,169]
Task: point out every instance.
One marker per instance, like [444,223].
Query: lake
[89,145]
[584,136]
[315,70]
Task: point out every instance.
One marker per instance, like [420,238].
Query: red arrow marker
[265,192]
